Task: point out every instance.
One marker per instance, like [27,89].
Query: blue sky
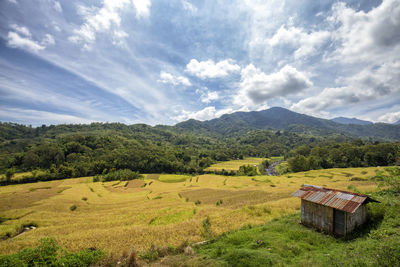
[161,62]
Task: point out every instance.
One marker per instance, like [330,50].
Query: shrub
[122,175]
[73,207]
[48,253]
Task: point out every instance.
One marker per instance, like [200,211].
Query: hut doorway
[339,222]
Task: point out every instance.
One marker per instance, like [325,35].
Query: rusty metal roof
[338,199]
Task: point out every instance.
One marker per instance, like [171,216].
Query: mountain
[397,122]
[278,118]
[356,121]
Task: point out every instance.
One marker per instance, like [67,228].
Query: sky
[162,62]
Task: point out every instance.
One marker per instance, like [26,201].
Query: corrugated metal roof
[338,199]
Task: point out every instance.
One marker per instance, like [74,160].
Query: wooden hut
[332,211]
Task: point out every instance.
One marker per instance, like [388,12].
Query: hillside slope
[277,118]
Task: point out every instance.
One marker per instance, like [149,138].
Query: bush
[248,170]
[48,253]
[390,177]
[121,175]
[73,207]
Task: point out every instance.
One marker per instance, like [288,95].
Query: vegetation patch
[173,178]
[172,218]
[48,253]
[153,176]
[231,198]
[234,165]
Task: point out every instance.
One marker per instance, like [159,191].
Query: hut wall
[317,216]
[355,219]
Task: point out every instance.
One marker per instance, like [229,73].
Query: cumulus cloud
[14,40]
[21,37]
[256,86]
[210,69]
[21,30]
[371,39]
[168,78]
[104,18]
[142,8]
[305,43]
[207,113]
[391,117]
[372,36]
[369,84]
[207,96]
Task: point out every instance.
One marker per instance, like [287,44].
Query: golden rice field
[234,165]
[163,210]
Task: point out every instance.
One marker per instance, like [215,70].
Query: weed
[207,228]
[157,197]
[197,202]
[73,207]
[84,198]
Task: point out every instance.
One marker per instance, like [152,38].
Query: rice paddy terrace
[164,210]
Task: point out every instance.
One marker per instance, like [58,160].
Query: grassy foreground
[285,242]
[119,217]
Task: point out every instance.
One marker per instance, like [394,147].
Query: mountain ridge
[344,120]
[277,118]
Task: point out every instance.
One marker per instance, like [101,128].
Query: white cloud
[390,117]
[189,7]
[210,69]
[305,43]
[207,96]
[13,1]
[142,8]
[21,30]
[256,86]
[370,40]
[207,113]
[38,117]
[168,78]
[14,40]
[48,40]
[107,17]
[371,37]
[119,37]
[57,6]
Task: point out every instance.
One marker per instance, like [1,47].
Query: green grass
[48,253]
[173,178]
[285,241]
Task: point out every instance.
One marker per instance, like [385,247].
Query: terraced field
[159,209]
[234,165]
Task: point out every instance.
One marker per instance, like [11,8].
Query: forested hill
[282,119]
